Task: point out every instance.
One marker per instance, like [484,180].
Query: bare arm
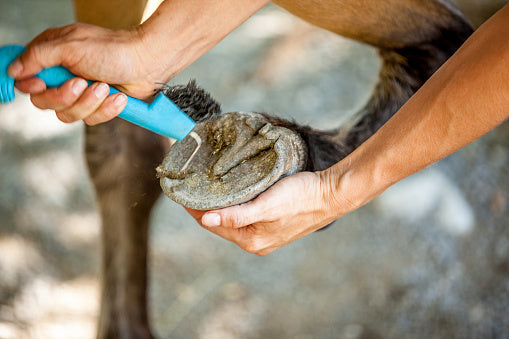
[180,32]
[137,61]
[467,97]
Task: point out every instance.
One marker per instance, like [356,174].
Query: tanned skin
[467,97]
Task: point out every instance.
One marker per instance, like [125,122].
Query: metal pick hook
[196,138]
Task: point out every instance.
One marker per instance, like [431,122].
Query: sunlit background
[427,259]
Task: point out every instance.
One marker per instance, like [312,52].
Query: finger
[31,86]
[196,214]
[236,216]
[89,101]
[248,238]
[110,108]
[225,233]
[60,98]
[229,234]
[37,56]
[266,251]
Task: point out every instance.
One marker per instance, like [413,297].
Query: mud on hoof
[241,155]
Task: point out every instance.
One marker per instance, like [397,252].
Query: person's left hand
[292,208]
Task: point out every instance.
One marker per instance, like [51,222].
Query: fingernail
[101,90]
[79,86]
[120,100]
[15,68]
[211,219]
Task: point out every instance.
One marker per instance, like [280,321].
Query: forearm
[182,31]
[464,99]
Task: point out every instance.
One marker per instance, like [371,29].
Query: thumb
[235,216]
[34,59]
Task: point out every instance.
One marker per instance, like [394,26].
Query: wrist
[179,32]
[335,182]
[171,43]
[354,181]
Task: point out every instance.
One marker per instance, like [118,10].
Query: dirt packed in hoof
[233,143]
[222,136]
[241,155]
[429,258]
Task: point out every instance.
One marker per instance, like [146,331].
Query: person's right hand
[91,52]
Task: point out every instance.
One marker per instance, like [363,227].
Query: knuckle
[35,99]
[75,34]
[66,97]
[41,101]
[72,114]
[253,245]
[107,111]
[104,113]
[66,100]
[62,32]
[46,35]
[75,28]
[36,48]
[96,118]
[236,220]
[51,31]
[91,121]
[239,217]
[71,29]
[110,107]
[87,104]
[31,53]
[39,47]
[108,115]
[249,248]
[263,252]
[65,117]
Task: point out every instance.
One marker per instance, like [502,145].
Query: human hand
[294,207]
[91,52]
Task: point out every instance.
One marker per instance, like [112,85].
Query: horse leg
[121,159]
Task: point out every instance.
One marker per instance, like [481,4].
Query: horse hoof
[241,155]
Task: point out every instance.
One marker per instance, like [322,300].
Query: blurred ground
[427,259]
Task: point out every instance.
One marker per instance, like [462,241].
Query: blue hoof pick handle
[161,116]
